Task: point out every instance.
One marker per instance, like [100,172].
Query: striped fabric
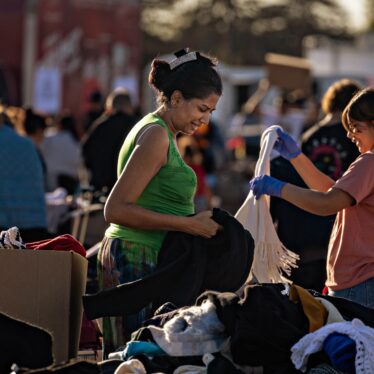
[120,261]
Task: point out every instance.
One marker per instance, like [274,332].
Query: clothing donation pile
[269,328]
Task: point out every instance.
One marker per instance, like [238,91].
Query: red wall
[101,24]
[11,30]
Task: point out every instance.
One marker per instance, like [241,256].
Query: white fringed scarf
[271,258]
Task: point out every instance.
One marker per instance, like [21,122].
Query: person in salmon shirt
[350,259]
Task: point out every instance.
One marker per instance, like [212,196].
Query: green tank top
[171,190]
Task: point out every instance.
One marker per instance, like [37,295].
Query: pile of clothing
[267,328]
[275,327]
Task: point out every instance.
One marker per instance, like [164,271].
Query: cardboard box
[288,72]
[45,288]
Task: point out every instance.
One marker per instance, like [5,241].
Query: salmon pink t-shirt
[350,259]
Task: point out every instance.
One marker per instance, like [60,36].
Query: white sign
[47,90]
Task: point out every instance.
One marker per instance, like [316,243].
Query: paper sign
[47,90]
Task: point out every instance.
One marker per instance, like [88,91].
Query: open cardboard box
[45,288]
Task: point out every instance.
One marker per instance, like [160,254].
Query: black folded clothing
[23,344]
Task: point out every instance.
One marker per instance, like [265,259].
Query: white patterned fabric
[132,366]
[355,329]
[11,239]
[193,332]
[271,257]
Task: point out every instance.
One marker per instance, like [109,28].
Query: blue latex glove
[266,185]
[341,350]
[286,146]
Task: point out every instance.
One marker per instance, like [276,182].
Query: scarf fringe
[271,260]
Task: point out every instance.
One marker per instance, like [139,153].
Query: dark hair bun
[160,71]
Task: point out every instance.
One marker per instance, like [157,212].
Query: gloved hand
[266,185]
[341,350]
[286,146]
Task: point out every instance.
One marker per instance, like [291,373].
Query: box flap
[78,287]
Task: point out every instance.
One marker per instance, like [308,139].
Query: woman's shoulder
[153,134]
[151,118]
[367,156]
[364,163]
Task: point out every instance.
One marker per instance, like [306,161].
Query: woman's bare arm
[316,202]
[313,178]
[148,156]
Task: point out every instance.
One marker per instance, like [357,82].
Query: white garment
[192,332]
[193,369]
[190,369]
[11,239]
[57,208]
[271,257]
[62,154]
[133,366]
[117,355]
[356,330]
[333,313]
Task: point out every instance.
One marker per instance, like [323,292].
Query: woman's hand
[203,225]
[286,146]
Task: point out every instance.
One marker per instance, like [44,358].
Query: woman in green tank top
[155,188]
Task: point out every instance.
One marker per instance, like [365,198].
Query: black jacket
[101,147]
[187,266]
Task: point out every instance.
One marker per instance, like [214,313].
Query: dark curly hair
[338,95]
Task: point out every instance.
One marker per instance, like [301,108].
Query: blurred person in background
[294,110]
[34,126]
[193,157]
[350,259]
[62,152]
[291,109]
[326,143]
[212,147]
[327,146]
[155,189]
[22,202]
[290,112]
[250,112]
[103,141]
[95,110]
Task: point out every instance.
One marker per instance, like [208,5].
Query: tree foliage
[370,14]
[238,31]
